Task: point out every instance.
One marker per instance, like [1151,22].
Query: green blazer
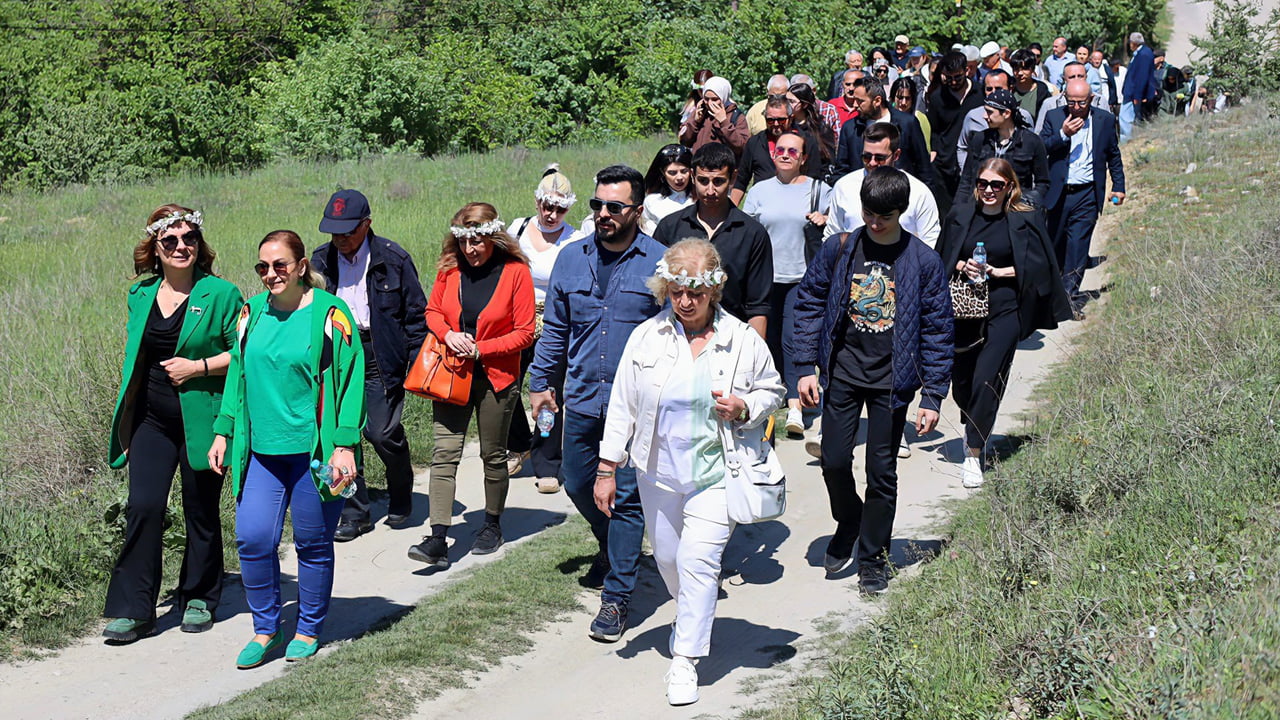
[336,386]
[208,328]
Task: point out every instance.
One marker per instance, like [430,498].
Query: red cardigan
[504,327]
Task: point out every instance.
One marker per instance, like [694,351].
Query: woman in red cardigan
[481,307]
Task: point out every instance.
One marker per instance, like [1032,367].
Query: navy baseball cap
[916,52]
[345,210]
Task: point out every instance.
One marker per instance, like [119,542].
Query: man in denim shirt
[596,297]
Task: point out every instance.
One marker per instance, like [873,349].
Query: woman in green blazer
[181,327]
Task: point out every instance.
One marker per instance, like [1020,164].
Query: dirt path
[1191,17]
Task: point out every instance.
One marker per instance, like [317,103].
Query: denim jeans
[620,535]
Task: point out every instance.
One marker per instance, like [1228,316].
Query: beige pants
[493,417]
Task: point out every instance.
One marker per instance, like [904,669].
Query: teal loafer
[127,630]
[255,653]
[197,617]
[300,650]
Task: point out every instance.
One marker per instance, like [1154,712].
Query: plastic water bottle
[325,472]
[980,257]
[546,420]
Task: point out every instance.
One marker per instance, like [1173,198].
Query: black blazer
[1042,300]
[913,161]
[1026,154]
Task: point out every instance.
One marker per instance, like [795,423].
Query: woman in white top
[541,237]
[784,204]
[671,391]
[667,185]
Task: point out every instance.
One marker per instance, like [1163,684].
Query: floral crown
[159,226]
[705,279]
[474,231]
[564,201]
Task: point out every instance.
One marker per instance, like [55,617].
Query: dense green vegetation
[121,90]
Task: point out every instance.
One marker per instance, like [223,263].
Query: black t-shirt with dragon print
[864,350]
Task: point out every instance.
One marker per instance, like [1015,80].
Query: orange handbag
[439,375]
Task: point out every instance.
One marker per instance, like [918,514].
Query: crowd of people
[878,251]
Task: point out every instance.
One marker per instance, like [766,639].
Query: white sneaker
[682,682]
[814,447]
[795,422]
[904,450]
[971,473]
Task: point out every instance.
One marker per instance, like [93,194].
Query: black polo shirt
[745,253]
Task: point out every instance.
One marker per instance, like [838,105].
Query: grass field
[65,265]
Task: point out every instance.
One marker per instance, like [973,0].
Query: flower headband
[492,227]
[706,278]
[159,226]
[563,201]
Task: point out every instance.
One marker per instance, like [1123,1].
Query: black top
[863,352]
[993,232]
[478,284]
[606,261]
[160,343]
[1024,151]
[946,119]
[746,254]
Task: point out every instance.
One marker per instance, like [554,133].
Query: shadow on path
[735,643]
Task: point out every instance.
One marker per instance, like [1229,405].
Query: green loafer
[197,617]
[255,653]
[300,650]
[126,630]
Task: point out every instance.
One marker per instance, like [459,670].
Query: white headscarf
[720,87]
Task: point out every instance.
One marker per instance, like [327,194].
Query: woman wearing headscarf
[541,238]
[1007,137]
[716,119]
[181,326]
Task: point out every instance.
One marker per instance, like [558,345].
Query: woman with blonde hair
[181,326]
[482,308]
[1024,293]
[674,386]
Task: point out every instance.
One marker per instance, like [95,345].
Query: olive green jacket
[208,328]
[336,385]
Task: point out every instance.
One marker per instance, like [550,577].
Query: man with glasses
[596,296]
[777,85]
[378,281]
[954,97]
[975,121]
[1082,147]
[745,251]
[757,156]
[1072,71]
[880,149]
[845,106]
[873,107]
[853,61]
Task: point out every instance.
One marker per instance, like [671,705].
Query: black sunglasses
[170,242]
[995,185]
[878,157]
[613,206]
[280,266]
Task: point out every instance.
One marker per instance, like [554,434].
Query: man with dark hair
[1037,50]
[954,97]
[756,163]
[596,297]
[1030,91]
[975,121]
[745,251]
[378,280]
[880,149]
[874,107]
[874,317]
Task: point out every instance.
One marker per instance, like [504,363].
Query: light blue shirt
[1081,157]
[1053,68]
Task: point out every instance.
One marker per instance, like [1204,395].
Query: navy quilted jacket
[922,325]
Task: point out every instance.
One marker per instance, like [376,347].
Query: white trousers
[688,532]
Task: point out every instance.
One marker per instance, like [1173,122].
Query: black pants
[545,453]
[979,376]
[385,432]
[156,450]
[867,523]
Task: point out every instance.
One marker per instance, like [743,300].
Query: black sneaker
[432,551]
[488,540]
[873,580]
[349,529]
[600,567]
[397,520]
[839,550]
[610,622]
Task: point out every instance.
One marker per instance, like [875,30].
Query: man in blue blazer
[1082,147]
[1140,85]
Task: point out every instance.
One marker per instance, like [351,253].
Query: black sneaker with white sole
[432,551]
[873,580]
[610,622]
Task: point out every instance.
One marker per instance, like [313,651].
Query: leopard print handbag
[969,301]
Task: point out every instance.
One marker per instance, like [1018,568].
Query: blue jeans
[273,484]
[620,535]
[1128,116]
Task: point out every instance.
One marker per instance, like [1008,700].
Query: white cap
[990,48]
[901,39]
[971,53]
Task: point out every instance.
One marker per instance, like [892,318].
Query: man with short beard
[873,107]
[975,121]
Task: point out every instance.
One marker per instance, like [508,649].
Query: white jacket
[649,357]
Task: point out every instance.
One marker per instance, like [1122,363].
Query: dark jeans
[544,452]
[1072,221]
[620,535]
[385,433]
[869,523]
[156,450]
[980,374]
[781,334]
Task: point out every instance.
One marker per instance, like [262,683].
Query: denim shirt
[587,326]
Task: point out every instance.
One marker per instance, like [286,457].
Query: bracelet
[606,473]
[206,366]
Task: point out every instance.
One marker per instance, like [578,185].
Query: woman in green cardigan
[181,325]
[295,395]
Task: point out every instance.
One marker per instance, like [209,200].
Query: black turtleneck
[478,284]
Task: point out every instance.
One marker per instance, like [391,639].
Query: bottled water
[980,257]
[546,420]
[325,472]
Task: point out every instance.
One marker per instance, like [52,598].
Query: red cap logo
[339,205]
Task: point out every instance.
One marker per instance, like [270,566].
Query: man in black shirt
[745,251]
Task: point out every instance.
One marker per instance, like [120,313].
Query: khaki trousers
[493,418]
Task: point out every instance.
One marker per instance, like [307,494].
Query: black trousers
[980,375]
[545,453]
[869,523]
[384,431]
[156,450]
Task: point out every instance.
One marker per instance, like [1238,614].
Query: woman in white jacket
[671,391]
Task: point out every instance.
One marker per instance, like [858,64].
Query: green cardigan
[208,328]
[337,386]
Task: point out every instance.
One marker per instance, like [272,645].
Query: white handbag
[755,485]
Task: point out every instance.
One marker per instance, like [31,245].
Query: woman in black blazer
[1025,294]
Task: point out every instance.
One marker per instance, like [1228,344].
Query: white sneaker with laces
[904,449]
[971,473]
[682,682]
[795,422]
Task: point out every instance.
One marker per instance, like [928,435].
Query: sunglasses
[878,157]
[787,151]
[553,209]
[772,121]
[995,185]
[613,206]
[279,266]
[170,242]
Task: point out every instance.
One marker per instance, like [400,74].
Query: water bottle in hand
[546,420]
[325,472]
[980,257]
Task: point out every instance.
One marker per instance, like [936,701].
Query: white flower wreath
[159,226]
[492,227]
[564,201]
[706,278]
